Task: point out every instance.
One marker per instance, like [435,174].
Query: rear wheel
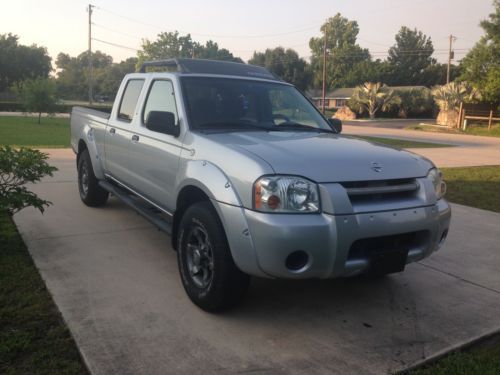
[209,275]
[88,185]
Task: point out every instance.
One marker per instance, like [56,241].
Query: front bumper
[332,242]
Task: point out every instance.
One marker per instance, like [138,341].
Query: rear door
[153,156]
[119,132]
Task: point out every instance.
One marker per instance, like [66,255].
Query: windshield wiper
[289,125]
[231,125]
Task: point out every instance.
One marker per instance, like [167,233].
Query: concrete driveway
[115,280]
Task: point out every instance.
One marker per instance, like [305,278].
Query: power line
[116,31]
[233,36]
[115,44]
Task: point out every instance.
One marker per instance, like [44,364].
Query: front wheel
[88,185]
[208,272]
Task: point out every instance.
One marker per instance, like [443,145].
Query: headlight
[436,177]
[286,194]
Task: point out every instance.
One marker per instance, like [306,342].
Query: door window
[160,98]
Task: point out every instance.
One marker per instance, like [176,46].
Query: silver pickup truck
[248,178]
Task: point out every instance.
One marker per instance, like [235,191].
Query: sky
[240,26]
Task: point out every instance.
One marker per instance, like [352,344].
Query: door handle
[135,138]
[112,130]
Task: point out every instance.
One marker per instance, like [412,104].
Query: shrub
[17,168]
[415,102]
[11,107]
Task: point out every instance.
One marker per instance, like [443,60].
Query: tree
[73,80]
[19,167]
[37,95]
[344,56]
[18,62]
[435,74]
[108,79]
[212,51]
[286,64]
[171,45]
[410,57]
[72,77]
[448,97]
[371,97]
[481,65]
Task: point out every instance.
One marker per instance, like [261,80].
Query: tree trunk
[39,116]
[372,115]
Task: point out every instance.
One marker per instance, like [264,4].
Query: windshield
[244,105]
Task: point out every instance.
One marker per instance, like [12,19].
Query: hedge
[60,108]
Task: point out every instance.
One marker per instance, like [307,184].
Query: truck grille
[383,190]
[366,247]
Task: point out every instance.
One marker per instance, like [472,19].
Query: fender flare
[87,137]
[218,187]
[210,179]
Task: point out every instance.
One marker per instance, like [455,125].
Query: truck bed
[83,111]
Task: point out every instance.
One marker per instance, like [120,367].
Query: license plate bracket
[384,262]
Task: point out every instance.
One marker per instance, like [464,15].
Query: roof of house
[346,92]
[340,93]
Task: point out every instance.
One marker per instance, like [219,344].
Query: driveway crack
[459,278]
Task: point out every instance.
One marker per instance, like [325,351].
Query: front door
[153,156]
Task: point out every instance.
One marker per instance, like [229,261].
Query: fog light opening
[297,260]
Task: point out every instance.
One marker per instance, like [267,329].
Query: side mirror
[162,122]
[336,124]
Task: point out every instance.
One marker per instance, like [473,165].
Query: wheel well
[82,146]
[187,196]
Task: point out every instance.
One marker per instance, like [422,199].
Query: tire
[88,185]
[208,273]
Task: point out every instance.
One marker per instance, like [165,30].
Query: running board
[146,210]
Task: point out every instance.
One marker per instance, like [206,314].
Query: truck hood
[324,157]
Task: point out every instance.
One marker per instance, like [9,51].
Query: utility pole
[451,55]
[90,52]
[324,71]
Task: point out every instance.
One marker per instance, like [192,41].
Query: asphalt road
[115,280]
[469,150]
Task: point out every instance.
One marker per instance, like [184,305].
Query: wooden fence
[481,112]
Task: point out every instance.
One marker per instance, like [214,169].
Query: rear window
[129,99]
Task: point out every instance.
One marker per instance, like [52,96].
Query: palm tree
[371,97]
[449,96]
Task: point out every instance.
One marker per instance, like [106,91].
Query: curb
[445,352]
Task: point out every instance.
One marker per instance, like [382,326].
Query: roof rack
[158,63]
[217,67]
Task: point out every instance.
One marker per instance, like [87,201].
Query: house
[333,99]
[338,98]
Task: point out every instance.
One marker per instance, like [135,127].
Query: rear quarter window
[129,99]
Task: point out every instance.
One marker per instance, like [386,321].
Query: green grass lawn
[474,186]
[33,336]
[473,129]
[481,359]
[25,131]
[402,143]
